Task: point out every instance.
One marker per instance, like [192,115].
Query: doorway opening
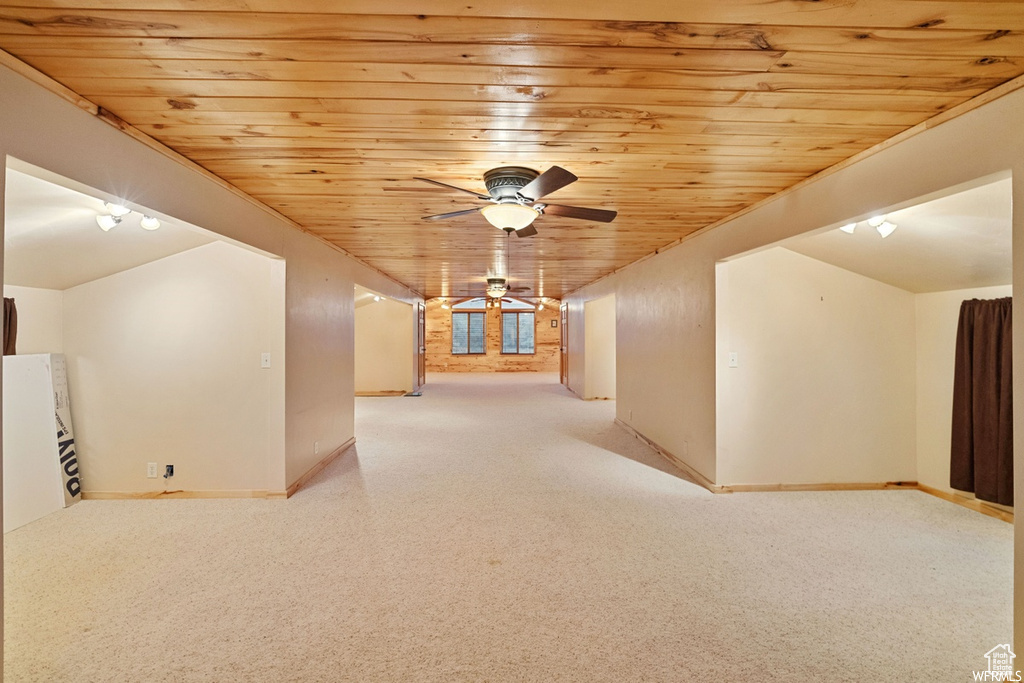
[599,349]
[387,357]
[563,356]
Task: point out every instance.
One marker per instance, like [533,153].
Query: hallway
[499,529]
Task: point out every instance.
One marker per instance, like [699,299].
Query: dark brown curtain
[982,449]
[10,326]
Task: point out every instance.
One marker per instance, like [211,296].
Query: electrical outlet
[316,447]
[152,470]
[168,471]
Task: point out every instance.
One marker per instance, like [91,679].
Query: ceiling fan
[513,193]
[498,287]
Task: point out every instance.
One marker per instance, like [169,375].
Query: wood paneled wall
[439,344]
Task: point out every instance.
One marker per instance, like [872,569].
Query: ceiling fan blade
[452,187]
[519,289]
[600,215]
[528,231]
[453,214]
[555,178]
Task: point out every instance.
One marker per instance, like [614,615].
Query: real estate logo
[1000,665]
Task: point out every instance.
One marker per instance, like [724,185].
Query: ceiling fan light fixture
[509,215]
[149,223]
[875,221]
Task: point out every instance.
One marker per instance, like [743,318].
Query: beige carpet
[497,529]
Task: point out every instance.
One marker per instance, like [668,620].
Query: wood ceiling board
[491,127]
[949,14]
[437,33]
[674,114]
[649,114]
[684,154]
[657,75]
[585,96]
[533,154]
[725,144]
[350,56]
[679,121]
[365,124]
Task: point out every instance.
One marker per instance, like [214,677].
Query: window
[517,332]
[467,332]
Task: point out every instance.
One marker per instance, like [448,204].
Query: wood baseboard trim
[693,474]
[969,503]
[313,471]
[840,486]
[396,392]
[177,494]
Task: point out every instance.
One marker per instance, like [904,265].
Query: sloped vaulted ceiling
[675,114]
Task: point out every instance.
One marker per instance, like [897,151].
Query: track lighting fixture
[116,212]
[884,227]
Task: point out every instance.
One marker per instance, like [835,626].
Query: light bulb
[117,210]
[444,305]
[875,221]
[885,229]
[149,223]
[849,228]
[376,298]
[107,222]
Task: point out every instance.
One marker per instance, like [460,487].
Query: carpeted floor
[497,529]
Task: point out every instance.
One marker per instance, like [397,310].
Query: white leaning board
[39,461]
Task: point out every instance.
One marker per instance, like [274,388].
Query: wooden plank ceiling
[675,114]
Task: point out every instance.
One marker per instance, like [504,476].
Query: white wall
[164,366]
[665,370]
[824,387]
[384,347]
[39,319]
[599,348]
[937,317]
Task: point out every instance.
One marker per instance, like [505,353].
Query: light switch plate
[264,360]
[734,359]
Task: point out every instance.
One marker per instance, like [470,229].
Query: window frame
[469,349]
[519,314]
